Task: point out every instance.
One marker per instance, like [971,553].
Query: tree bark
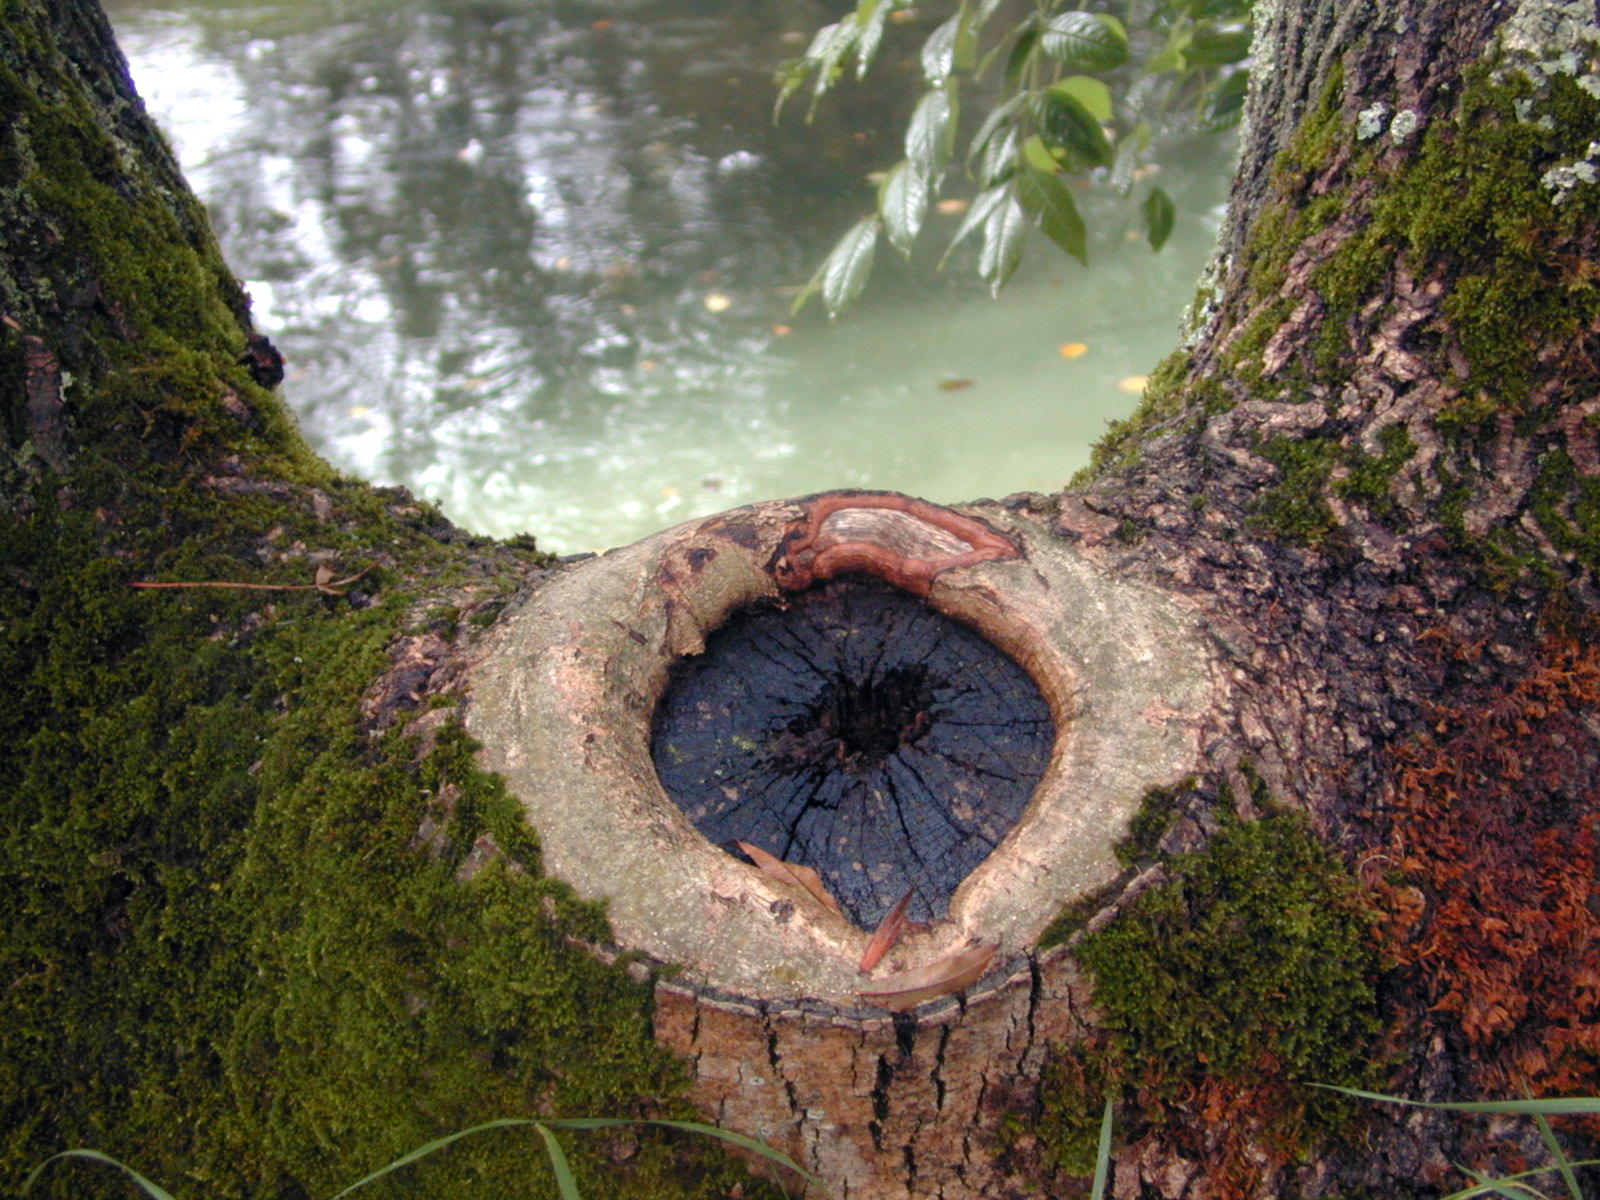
[270,912]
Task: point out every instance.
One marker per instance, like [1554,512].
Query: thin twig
[328,588]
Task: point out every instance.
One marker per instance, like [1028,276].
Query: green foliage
[1077,97]
[1256,957]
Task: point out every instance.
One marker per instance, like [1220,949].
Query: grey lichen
[1370,122]
[1547,38]
[1565,178]
[1405,123]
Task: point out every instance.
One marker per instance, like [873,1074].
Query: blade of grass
[423,1151]
[154,1190]
[565,1183]
[1557,1106]
[1497,1187]
[1562,1164]
[1102,1156]
[737,1139]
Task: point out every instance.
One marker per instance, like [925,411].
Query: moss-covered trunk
[268,925]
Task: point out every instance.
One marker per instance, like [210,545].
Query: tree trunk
[275,924]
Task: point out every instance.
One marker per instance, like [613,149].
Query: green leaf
[999,159]
[1049,202]
[825,51]
[930,136]
[870,18]
[982,206]
[1214,47]
[1065,124]
[1089,92]
[1003,235]
[1174,55]
[939,51]
[1158,212]
[153,1190]
[1130,152]
[845,272]
[986,10]
[1021,53]
[997,117]
[1085,41]
[1227,100]
[903,202]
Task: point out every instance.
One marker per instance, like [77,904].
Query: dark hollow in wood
[861,733]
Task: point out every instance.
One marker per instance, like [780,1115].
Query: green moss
[1469,207]
[1253,967]
[1255,958]
[251,948]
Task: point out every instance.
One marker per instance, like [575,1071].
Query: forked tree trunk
[1344,562]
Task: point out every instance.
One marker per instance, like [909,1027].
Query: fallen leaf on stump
[792,874]
[953,973]
[889,931]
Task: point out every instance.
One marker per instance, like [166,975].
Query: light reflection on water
[529,260]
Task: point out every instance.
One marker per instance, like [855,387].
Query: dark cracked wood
[859,732]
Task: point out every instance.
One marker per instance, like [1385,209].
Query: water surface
[535,261]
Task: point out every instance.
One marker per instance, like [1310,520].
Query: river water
[535,260]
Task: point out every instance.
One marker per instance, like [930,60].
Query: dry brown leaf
[889,931]
[952,973]
[792,874]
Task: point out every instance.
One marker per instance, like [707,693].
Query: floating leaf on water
[953,973]
[793,874]
[889,931]
[955,385]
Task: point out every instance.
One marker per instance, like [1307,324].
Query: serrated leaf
[1089,92]
[986,10]
[903,202]
[982,206]
[1158,212]
[1035,154]
[1003,235]
[939,51]
[1022,51]
[871,16]
[1218,47]
[930,135]
[826,49]
[991,125]
[1084,41]
[1065,124]
[848,265]
[1048,201]
[1130,151]
[1227,100]
[999,159]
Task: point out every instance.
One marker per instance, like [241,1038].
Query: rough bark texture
[259,927]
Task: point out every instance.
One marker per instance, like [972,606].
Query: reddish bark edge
[802,561]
